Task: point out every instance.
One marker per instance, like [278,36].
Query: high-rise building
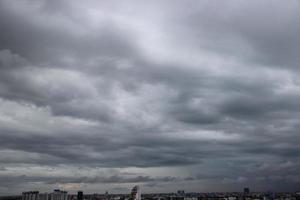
[31,195]
[59,195]
[136,193]
[80,195]
[34,195]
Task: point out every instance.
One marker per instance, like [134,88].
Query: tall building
[34,195]
[59,195]
[31,195]
[80,195]
[136,193]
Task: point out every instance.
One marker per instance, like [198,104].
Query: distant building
[31,195]
[44,196]
[136,193]
[34,195]
[246,191]
[59,195]
[80,195]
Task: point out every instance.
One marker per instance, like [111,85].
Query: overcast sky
[168,94]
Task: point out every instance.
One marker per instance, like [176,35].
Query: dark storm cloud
[109,153]
[12,180]
[51,42]
[102,84]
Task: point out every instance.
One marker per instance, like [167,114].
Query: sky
[191,95]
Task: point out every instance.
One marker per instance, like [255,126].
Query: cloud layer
[101,95]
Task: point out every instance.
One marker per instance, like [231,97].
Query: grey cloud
[101,84]
[49,42]
[247,30]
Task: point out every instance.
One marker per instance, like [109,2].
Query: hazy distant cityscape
[136,194]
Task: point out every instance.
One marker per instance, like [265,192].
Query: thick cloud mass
[195,95]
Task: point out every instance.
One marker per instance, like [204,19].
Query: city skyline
[200,96]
